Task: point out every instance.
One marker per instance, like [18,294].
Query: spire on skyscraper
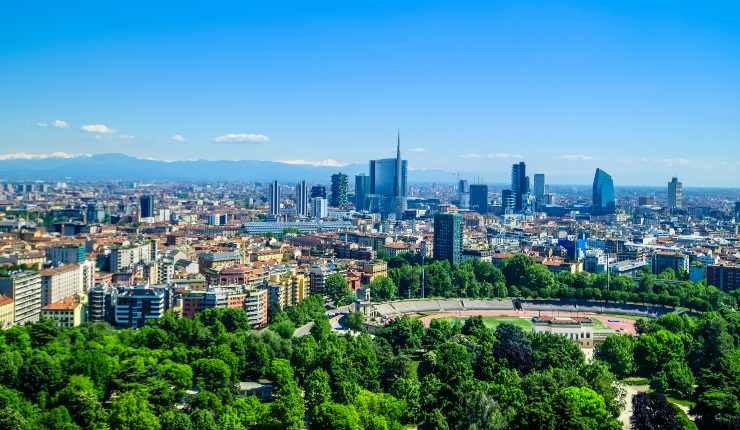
[397,181]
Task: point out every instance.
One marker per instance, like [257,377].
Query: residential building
[7,312]
[125,256]
[101,302]
[24,287]
[724,277]
[137,305]
[339,190]
[65,254]
[677,261]
[65,313]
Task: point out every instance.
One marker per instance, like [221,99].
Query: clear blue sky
[644,90]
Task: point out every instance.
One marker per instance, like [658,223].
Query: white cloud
[672,162]
[39,155]
[57,123]
[471,155]
[177,137]
[241,138]
[125,136]
[576,157]
[97,129]
[418,150]
[327,163]
[505,156]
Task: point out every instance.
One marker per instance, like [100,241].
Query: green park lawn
[492,322]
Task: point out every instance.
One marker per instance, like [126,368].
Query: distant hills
[127,168]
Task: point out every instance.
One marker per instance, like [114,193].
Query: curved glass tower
[603,194]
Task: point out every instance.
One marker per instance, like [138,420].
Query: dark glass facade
[603,194]
[448,237]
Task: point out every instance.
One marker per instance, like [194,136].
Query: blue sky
[645,90]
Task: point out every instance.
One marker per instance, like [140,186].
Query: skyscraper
[507,201]
[319,207]
[146,206]
[339,188]
[479,198]
[301,199]
[519,184]
[448,237]
[388,180]
[274,198]
[463,193]
[362,189]
[318,191]
[603,194]
[675,194]
[539,189]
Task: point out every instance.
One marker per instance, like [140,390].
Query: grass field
[492,322]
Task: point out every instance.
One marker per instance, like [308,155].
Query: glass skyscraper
[362,189]
[603,194]
[479,198]
[388,182]
[519,184]
[539,189]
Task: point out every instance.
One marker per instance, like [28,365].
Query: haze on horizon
[644,91]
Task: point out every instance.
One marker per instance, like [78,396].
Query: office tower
[362,189]
[24,287]
[539,189]
[274,198]
[507,201]
[319,207]
[737,211]
[675,194]
[448,237]
[318,191]
[519,184]
[463,193]
[479,198]
[146,206]
[388,180]
[301,199]
[339,189]
[603,194]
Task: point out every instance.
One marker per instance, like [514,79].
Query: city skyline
[645,95]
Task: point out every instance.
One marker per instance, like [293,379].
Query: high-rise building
[737,212]
[318,191]
[388,180]
[519,184]
[362,189]
[65,254]
[448,237]
[463,193]
[24,287]
[319,207]
[146,206]
[603,194]
[302,199]
[479,198]
[539,189]
[675,194]
[339,188]
[274,198]
[101,302]
[507,201]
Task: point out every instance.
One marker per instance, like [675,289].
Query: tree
[317,390]
[618,353]
[652,411]
[355,321]
[382,288]
[335,287]
[403,333]
[582,408]
[675,379]
[131,411]
[513,345]
[478,410]
[80,399]
[212,374]
[335,416]
[549,350]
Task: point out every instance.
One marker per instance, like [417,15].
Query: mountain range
[121,167]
